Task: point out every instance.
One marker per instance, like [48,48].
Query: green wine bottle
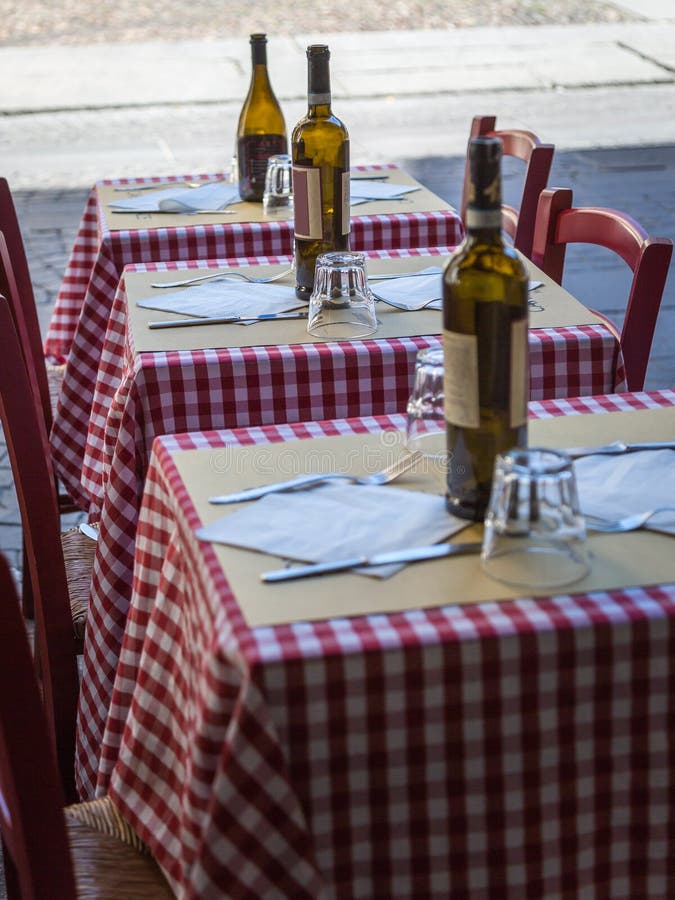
[485,317]
[320,152]
[261,131]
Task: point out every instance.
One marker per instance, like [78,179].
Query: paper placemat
[558,309]
[422,200]
[619,560]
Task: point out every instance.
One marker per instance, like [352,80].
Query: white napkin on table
[213,196]
[232,297]
[336,521]
[363,191]
[413,291]
[616,486]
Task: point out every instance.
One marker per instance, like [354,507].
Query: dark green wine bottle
[485,318]
[261,131]
[320,151]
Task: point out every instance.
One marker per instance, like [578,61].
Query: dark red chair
[538,157]
[59,566]
[45,376]
[559,223]
[84,850]
[16,285]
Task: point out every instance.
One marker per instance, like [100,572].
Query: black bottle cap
[485,188]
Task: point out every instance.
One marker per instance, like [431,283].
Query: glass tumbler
[278,191]
[341,304]
[535,534]
[425,428]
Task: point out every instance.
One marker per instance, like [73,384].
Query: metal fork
[305,481]
[396,305]
[216,275]
[626,523]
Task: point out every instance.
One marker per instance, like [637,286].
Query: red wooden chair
[538,157]
[559,223]
[84,850]
[48,376]
[45,377]
[59,566]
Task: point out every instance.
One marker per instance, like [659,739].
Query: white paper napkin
[225,298]
[616,486]
[213,196]
[336,521]
[362,191]
[413,291]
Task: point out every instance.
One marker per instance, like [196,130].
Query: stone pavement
[603,94]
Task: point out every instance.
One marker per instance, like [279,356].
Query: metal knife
[224,320]
[618,447]
[412,554]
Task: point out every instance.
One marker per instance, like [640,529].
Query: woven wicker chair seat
[109,858]
[78,554]
[55,373]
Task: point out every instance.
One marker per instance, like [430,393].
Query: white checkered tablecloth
[99,255]
[500,750]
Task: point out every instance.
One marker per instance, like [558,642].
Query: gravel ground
[80,21]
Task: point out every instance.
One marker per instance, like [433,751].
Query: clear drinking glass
[535,534]
[341,304]
[278,192]
[426,429]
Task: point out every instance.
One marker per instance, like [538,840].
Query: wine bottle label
[253,151]
[346,200]
[308,209]
[460,379]
[519,373]
[308,204]
[319,99]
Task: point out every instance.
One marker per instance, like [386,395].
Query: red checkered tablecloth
[499,750]
[99,255]
[114,400]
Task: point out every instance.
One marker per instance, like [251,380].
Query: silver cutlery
[413,554]
[391,275]
[168,184]
[424,304]
[230,273]
[224,320]
[365,177]
[388,474]
[626,523]
[618,447]
[176,212]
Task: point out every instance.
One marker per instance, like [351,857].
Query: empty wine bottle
[320,151]
[485,317]
[261,131]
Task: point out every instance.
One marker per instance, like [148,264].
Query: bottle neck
[485,224]
[258,54]
[318,86]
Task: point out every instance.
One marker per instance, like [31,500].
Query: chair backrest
[17,287]
[36,853]
[526,146]
[559,223]
[28,448]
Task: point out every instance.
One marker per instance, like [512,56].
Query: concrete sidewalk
[76,114]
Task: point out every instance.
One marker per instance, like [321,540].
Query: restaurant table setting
[435,732]
[110,237]
[226,375]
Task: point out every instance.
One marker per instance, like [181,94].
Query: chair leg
[27,600]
